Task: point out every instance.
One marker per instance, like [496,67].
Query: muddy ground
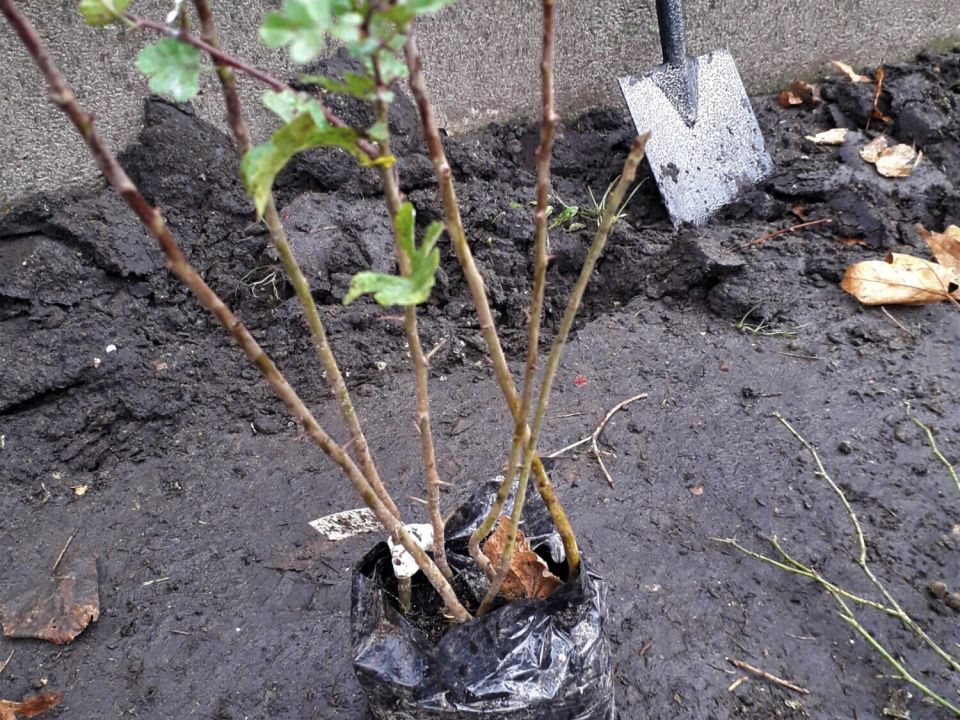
[218,601]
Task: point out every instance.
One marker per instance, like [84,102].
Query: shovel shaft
[672,38]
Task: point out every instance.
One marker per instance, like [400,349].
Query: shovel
[706,147]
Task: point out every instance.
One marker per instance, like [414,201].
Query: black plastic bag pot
[530,659]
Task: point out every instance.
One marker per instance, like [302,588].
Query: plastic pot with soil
[534,658]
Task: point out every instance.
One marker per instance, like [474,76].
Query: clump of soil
[217,601]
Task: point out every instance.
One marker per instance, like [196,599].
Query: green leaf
[379,131]
[421,7]
[307,130]
[392,67]
[354,84]
[569,212]
[303,25]
[286,104]
[102,12]
[412,289]
[173,68]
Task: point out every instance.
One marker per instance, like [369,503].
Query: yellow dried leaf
[900,280]
[898,161]
[892,162]
[837,136]
[945,246]
[850,72]
[80,490]
[528,576]
[872,150]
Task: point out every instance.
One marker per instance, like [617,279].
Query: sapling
[380,36]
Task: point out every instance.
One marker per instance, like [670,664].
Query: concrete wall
[488,72]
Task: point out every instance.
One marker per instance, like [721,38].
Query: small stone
[845,447]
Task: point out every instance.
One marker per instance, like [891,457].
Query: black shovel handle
[672,38]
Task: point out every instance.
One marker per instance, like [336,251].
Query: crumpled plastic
[530,659]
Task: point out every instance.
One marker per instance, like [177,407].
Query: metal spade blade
[706,147]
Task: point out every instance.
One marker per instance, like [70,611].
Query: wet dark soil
[218,601]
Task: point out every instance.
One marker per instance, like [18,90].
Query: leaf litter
[902,279]
[529,576]
[59,608]
[30,706]
[893,162]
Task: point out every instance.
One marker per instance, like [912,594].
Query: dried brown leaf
[872,150]
[876,114]
[898,161]
[945,246]
[900,280]
[59,609]
[528,575]
[799,93]
[30,706]
[892,162]
[850,72]
[837,136]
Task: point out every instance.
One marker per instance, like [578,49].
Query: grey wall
[481,59]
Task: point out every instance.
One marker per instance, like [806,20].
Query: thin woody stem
[488,329]
[548,125]
[846,614]
[861,560]
[610,215]
[225,59]
[62,96]
[421,364]
[318,335]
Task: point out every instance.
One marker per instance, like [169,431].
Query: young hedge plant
[379,35]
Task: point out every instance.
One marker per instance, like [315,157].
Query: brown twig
[419,359]
[298,280]
[548,126]
[488,328]
[63,97]
[767,676]
[785,231]
[594,437]
[63,552]
[610,215]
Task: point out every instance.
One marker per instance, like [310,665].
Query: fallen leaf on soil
[529,576]
[80,490]
[872,150]
[799,93]
[900,280]
[837,136]
[850,72]
[696,490]
[60,609]
[945,246]
[897,161]
[30,706]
